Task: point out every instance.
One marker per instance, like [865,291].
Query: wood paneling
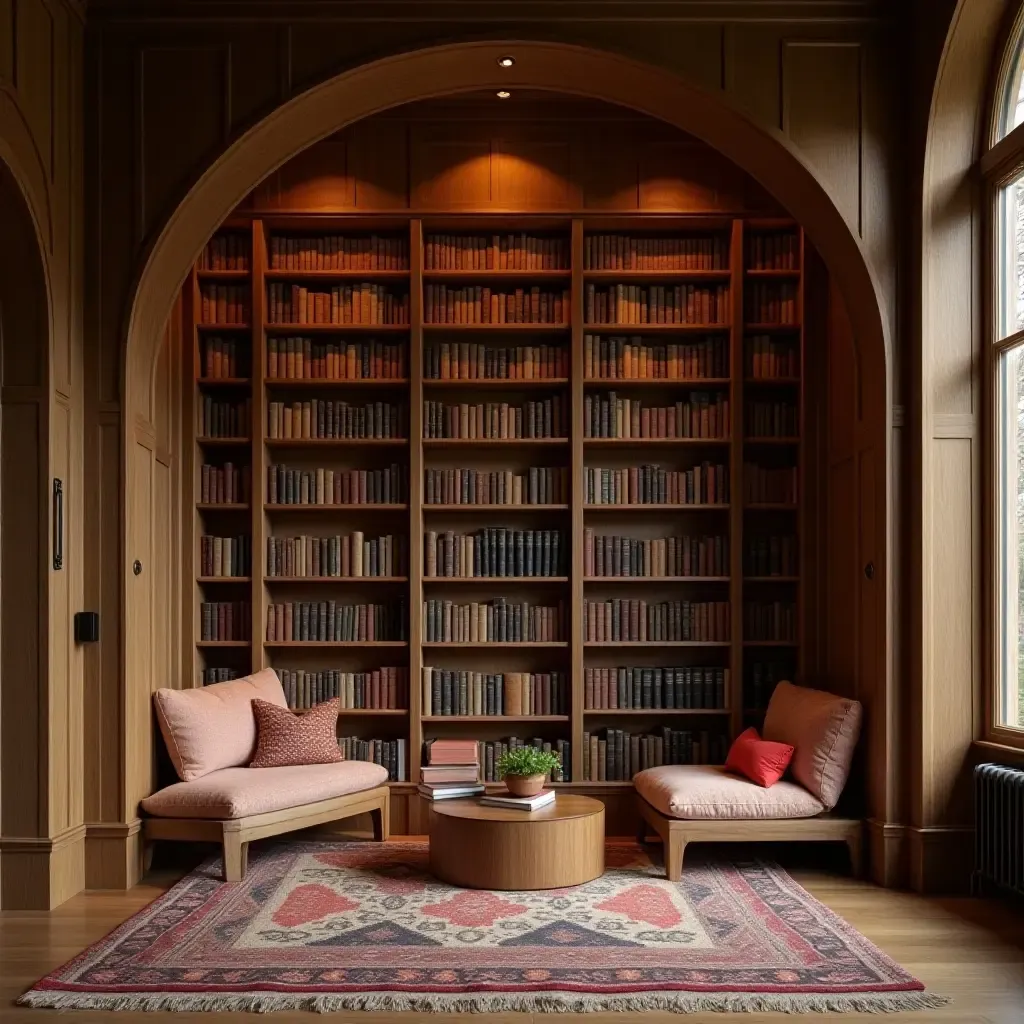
[34,73]
[7,42]
[687,178]
[821,113]
[449,171]
[317,179]
[380,164]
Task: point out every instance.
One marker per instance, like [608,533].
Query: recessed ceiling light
[506,61]
[503,94]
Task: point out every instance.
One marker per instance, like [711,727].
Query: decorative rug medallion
[332,926]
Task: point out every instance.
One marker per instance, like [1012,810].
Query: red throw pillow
[284,738]
[761,761]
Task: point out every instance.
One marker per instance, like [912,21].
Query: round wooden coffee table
[480,847]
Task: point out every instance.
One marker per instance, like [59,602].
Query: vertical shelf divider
[191,470]
[802,498]
[257,471]
[577,492]
[736,453]
[415,489]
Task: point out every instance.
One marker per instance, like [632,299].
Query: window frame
[1000,165]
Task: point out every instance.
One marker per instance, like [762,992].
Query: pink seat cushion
[240,792]
[213,727]
[824,730]
[703,791]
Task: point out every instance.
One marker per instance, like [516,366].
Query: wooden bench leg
[381,819]
[855,844]
[674,850]
[641,831]
[236,856]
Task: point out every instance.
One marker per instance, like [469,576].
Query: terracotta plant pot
[524,785]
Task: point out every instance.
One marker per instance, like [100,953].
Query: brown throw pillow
[284,738]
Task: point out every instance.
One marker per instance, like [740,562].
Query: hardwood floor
[971,950]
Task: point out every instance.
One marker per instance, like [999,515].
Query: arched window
[1003,169]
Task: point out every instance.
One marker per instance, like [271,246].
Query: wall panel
[34,70]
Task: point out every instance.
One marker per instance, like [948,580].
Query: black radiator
[999,827]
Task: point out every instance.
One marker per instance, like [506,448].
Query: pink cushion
[213,727]
[703,791]
[823,728]
[285,738]
[240,792]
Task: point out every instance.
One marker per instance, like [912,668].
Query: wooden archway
[445,70]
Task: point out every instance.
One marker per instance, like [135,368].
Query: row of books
[495,552]
[538,485]
[329,621]
[218,418]
[225,620]
[496,420]
[338,419]
[389,754]
[773,251]
[472,361]
[495,252]
[218,674]
[224,304]
[632,358]
[494,621]
[478,304]
[704,484]
[225,485]
[224,358]
[224,556]
[616,755]
[361,303]
[657,304]
[227,250]
[339,252]
[287,485]
[643,687]
[305,359]
[637,621]
[762,678]
[770,620]
[608,554]
[770,358]
[350,555]
[454,692]
[655,252]
[772,419]
[703,415]
[385,688]
[770,555]
[774,486]
[773,303]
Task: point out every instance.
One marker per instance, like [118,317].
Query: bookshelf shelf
[492,580]
[497,384]
[655,579]
[342,383]
[336,579]
[723,359]
[335,643]
[655,507]
[495,718]
[269,507]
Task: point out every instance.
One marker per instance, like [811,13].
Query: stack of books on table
[522,803]
[452,770]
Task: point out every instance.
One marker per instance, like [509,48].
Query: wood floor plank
[971,950]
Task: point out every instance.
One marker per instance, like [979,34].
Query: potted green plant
[525,769]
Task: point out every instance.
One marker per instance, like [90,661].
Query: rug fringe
[484,1002]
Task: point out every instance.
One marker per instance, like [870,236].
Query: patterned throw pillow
[284,738]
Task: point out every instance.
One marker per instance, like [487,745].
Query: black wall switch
[87,627]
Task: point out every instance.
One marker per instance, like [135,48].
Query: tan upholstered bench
[210,735]
[706,803]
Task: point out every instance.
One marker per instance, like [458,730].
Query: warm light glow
[503,94]
[506,62]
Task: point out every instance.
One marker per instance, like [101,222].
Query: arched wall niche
[448,70]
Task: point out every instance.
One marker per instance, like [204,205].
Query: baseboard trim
[940,858]
[887,853]
[41,872]
[113,854]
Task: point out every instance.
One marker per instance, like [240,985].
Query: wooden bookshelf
[741,517]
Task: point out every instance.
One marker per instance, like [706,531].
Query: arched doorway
[543,66]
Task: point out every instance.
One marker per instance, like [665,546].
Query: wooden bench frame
[235,834]
[677,832]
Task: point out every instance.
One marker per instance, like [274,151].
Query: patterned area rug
[333,926]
